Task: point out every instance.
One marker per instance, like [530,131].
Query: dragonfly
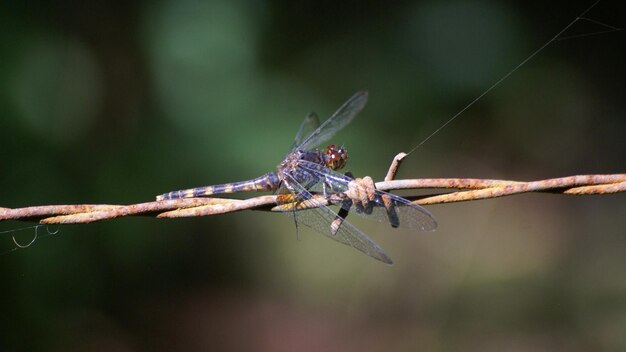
[307,172]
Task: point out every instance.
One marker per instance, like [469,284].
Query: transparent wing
[399,212]
[337,121]
[310,123]
[386,207]
[320,219]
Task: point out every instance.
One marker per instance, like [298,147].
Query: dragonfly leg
[346,204]
[295,221]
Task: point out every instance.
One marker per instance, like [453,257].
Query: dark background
[117,102]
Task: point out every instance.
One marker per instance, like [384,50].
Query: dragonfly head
[335,157]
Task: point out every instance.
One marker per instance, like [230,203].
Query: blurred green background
[116,102]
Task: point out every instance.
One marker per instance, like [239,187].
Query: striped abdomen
[267,182]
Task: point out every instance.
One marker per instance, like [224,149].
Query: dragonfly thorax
[335,157]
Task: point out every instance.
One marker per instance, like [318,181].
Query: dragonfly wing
[310,123]
[320,219]
[406,213]
[333,181]
[337,121]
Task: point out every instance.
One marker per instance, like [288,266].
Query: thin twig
[484,188]
[475,189]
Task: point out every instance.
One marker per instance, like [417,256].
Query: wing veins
[335,122]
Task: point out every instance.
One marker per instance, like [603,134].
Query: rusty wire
[467,190]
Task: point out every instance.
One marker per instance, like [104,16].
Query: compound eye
[336,157]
